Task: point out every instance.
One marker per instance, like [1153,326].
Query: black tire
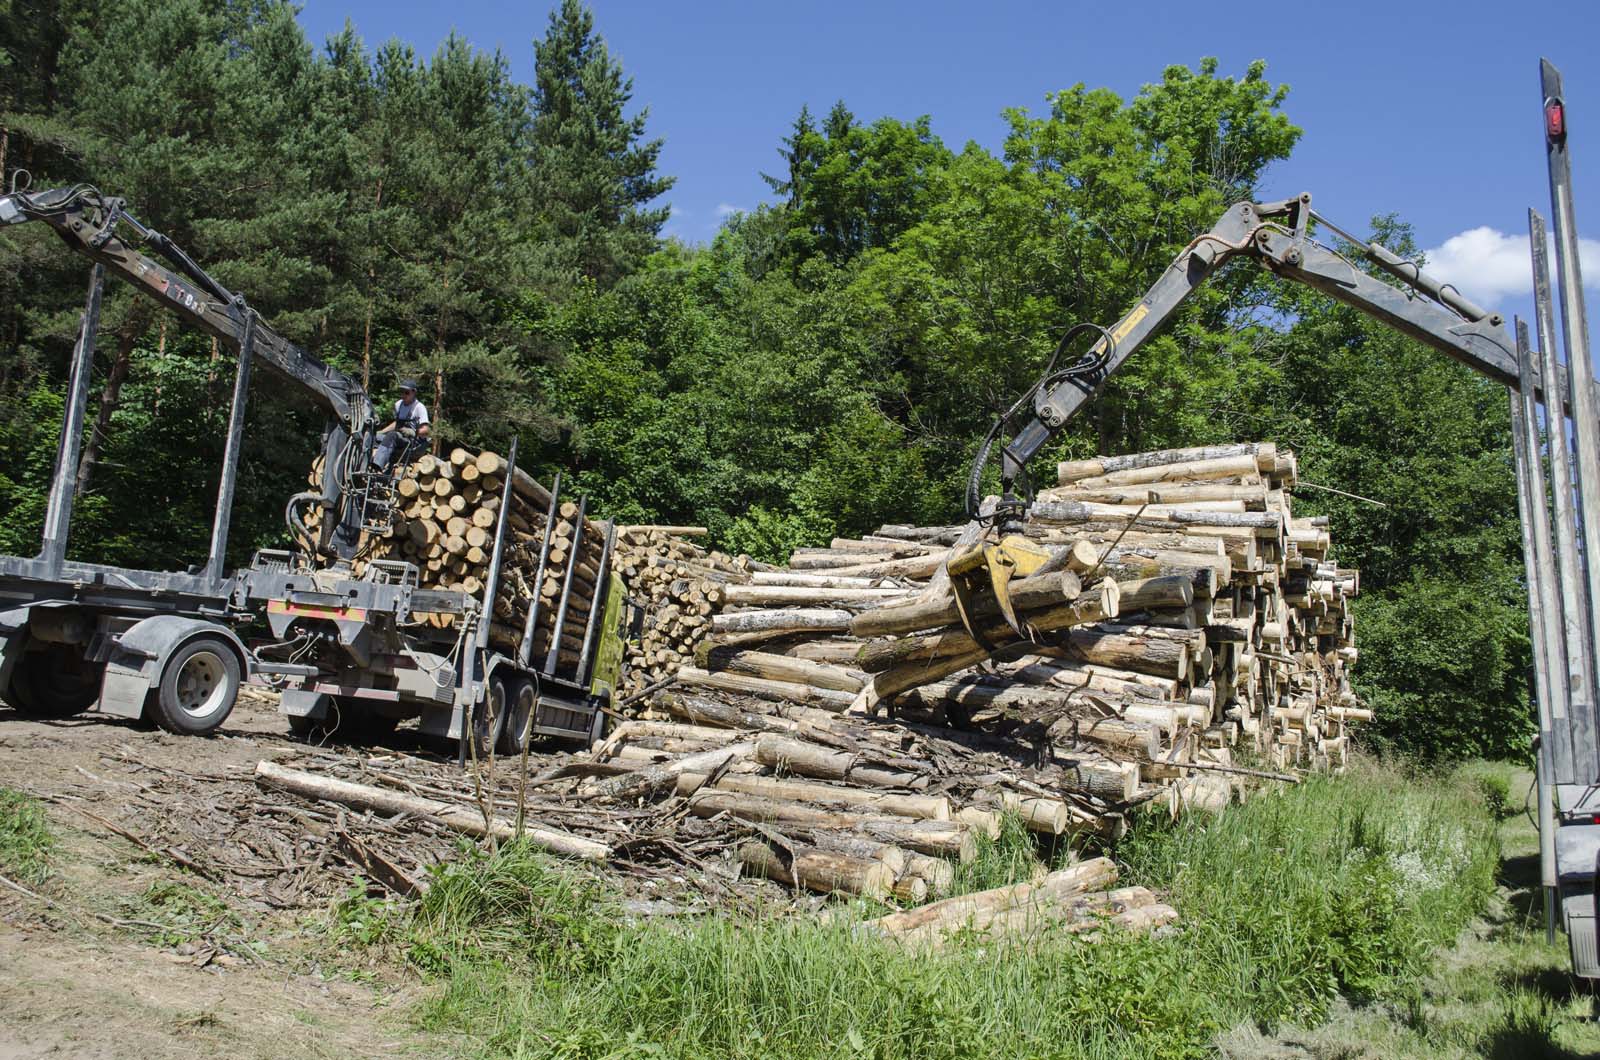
[305,727]
[198,688]
[348,720]
[488,719]
[518,727]
[57,682]
[601,721]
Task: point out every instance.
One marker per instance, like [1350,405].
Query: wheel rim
[202,684]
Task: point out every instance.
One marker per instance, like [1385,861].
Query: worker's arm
[88,221]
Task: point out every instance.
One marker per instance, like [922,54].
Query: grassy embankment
[1329,899]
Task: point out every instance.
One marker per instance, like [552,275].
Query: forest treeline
[828,362]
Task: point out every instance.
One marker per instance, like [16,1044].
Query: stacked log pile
[1187,620]
[446,515]
[680,586]
[841,725]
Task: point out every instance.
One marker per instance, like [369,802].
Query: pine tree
[595,173]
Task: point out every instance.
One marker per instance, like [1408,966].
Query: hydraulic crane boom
[88,222]
[1274,235]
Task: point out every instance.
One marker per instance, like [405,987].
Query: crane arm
[1275,236]
[89,223]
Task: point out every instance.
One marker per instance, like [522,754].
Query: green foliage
[391,213]
[594,173]
[1009,858]
[851,187]
[1339,886]
[359,919]
[1441,621]
[25,837]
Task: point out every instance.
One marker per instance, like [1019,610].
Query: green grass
[25,839]
[1501,990]
[1333,889]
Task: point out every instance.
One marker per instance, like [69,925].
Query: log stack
[446,515]
[680,585]
[1188,628]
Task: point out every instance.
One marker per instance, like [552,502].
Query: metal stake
[1575,611]
[1580,373]
[64,483]
[1544,591]
[230,453]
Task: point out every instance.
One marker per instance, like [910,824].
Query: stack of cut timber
[445,522]
[1185,616]
[680,585]
[831,802]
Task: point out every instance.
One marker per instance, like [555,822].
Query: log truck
[1563,576]
[343,648]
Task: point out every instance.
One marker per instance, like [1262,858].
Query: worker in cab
[406,436]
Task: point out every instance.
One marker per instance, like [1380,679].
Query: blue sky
[1428,110]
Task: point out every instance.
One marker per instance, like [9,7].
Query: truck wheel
[57,682]
[488,719]
[362,723]
[307,728]
[198,687]
[601,720]
[519,716]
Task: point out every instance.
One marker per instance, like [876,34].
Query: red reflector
[1555,121]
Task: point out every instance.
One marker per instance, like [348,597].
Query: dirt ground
[122,952]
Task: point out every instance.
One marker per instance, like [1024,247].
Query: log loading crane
[343,647]
[1564,606]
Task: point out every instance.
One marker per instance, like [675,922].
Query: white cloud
[1486,264]
[728,209]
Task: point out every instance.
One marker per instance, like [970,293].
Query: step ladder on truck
[176,646]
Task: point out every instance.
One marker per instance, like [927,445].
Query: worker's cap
[408,384]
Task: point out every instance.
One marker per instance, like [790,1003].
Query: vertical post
[1544,590]
[602,580]
[566,586]
[496,558]
[230,451]
[1575,332]
[64,483]
[1575,611]
[525,650]
[1530,502]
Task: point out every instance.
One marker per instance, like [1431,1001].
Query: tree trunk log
[385,801]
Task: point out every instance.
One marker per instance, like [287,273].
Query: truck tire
[601,722]
[518,728]
[199,685]
[57,682]
[488,719]
[348,720]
